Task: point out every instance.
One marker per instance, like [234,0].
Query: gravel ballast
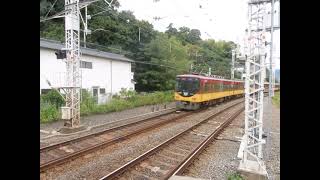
[220,157]
[99,163]
[219,160]
[97,119]
[271,151]
[49,132]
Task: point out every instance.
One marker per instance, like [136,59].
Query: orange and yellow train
[193,91]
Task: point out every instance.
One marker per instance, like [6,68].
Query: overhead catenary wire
[50,9]
[135,61]
[56,16]
[61,14]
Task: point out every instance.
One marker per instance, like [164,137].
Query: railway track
[174,155]
[59,153]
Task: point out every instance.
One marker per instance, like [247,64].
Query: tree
[194,36]
[171,31]
[170,53]
[174,61]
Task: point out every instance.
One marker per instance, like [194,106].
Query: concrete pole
[85,27]
[271,53]
[232,66]
[139,34]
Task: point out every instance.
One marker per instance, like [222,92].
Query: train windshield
[187,85]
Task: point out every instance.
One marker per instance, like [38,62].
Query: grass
[235,176]
[276,99]
[50,112]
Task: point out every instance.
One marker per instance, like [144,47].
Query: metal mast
[232,65]
[73,78]
[254,85]
[271,75]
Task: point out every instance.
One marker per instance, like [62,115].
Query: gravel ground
[188,140]
[272,149]
[220,158]
[93,120]
[100,163]
[48,132]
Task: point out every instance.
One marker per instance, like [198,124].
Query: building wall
[112,75]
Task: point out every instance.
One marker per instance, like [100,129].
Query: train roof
[207,77]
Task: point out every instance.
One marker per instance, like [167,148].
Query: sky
[216,19]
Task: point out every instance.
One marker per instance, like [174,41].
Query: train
[194,91]
[275,88]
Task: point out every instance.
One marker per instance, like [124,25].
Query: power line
[135,61]
[50,8]
[62,13]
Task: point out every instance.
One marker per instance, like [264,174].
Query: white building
[103,73]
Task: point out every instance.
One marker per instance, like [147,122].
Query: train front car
[187,92]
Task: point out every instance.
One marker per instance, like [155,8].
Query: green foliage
[235,176]
[276,99]
[175,49]
[168,52]
[53,98]
[125,100]
[48,112]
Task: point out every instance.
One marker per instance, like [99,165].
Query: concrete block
[251,170]
[241,148]
[69,130]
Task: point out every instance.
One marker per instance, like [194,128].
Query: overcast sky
[216,19]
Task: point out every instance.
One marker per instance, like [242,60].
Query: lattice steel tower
[73,77]
[254,86]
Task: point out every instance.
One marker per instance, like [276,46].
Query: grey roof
[51,44]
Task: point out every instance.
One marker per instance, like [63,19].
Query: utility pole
[139,34]
[252,160]
[232,66]
[85,27]
[71,113]
[271,77]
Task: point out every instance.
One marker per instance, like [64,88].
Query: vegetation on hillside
[118,31]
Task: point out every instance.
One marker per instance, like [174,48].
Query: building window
[102,90]
[95,92]
[85,64]
[45,91]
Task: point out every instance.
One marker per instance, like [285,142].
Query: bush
[235,176]
[49,106]
[54,98]
[48,112]
[126,99]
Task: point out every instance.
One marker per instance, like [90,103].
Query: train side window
[217,86]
